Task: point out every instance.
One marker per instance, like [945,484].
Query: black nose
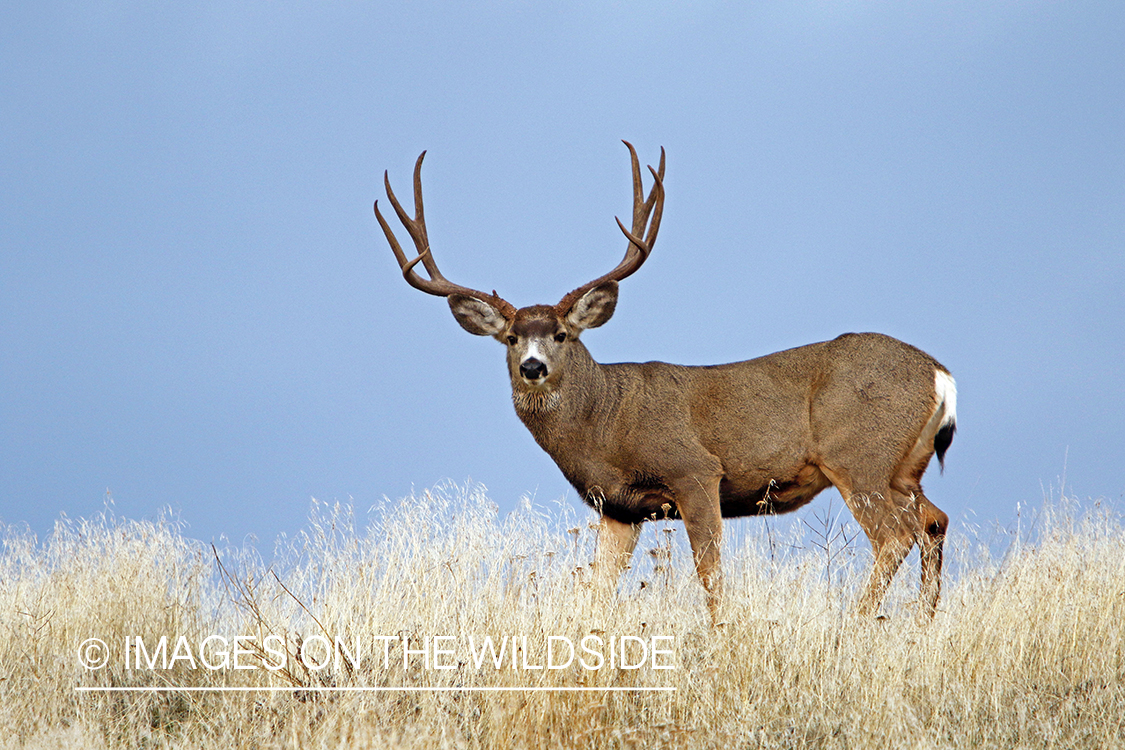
[533,369]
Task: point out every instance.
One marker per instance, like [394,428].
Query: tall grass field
[436,622]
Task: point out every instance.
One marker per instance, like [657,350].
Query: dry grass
[1026,651]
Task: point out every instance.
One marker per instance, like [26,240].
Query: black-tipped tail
[942,440]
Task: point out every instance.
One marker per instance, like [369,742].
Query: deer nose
[533,369]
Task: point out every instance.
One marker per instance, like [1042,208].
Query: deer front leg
[697,500]
[616,542]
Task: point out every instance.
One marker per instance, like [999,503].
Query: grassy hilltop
[1027,649]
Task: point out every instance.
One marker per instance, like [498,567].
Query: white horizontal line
[436,689]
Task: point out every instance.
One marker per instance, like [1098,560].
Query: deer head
[540,339]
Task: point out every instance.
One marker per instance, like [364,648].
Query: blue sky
[197,309]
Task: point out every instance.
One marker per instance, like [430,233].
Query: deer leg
[930,543]
[890,550]
[890,523]
[616,542]
[697,500]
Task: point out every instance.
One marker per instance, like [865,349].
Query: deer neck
[554,415]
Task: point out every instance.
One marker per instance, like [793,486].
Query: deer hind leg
[893,526]
[930,543]
[890,521]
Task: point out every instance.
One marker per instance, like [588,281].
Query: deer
[863,413]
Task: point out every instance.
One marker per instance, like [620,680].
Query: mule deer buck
[863,412]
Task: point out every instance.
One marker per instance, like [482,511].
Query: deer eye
[512,340]
[560,336]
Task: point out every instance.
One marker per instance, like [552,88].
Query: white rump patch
[945,389]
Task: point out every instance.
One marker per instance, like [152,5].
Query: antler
[638,251]
[437,284]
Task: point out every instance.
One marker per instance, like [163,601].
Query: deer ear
[477,316]
[594,307]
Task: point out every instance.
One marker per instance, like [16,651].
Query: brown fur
[761,436]
[647,440]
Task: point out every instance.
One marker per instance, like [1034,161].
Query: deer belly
[780,495]
[635,503]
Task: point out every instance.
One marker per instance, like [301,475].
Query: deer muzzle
[533,369]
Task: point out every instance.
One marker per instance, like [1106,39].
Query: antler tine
[437,284]
[416,227]
[640,218]
[639,248]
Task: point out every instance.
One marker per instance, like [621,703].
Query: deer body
[863,412]
[765,424]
